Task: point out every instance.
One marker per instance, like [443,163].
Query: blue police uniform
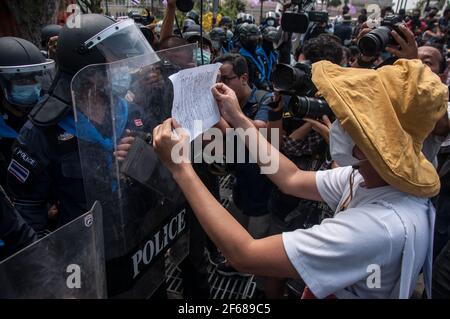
[257,68]
[15,234]
[45,169]
[10,125]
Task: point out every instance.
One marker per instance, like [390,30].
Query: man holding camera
[381,235]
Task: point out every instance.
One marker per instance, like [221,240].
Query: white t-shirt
[338,256]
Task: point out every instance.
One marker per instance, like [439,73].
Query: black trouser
[194,268]
[441,274]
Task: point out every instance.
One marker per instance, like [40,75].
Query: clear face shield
[24,85]
[120,41]
[144,205]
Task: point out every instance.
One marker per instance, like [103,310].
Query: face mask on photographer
[341,146]
[206,57]
[27,94]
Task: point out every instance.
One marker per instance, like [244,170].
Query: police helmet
[99,39]
[24,72]
[49,31]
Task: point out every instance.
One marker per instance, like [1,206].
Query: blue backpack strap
[259,63]
[5,130]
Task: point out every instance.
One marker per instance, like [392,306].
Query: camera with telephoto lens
[372,43]
[296,81]
[298,20]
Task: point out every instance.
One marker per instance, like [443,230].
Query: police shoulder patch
[65,137]
[23,164]
[18,171]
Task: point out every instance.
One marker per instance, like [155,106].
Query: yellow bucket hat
[388,113]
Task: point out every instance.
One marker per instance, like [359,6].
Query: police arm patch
[19,171]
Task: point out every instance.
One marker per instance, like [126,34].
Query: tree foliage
[31,15]
[232,7]
[90,6]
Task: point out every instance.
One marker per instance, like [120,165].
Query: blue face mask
[206,57]
[120,81]
[25,94]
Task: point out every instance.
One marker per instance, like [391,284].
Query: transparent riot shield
[144,212]
[68,263]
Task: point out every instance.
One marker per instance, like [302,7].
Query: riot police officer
[250,39]
[193,35]
[226,23]
[24,76]
[270,37]
[47,32]
[270,20]
[218,38]
[45,165]
[194,16]
[15,234]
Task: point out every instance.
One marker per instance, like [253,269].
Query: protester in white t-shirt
[381,235]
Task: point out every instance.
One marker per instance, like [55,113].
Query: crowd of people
[364,167]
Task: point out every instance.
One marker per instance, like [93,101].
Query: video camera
[298,21]
[297,82]
[372,43]
[185,5]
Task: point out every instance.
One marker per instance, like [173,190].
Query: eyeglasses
[227,80]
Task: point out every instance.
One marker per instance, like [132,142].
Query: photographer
[252,190]
[250,38]
[306,145]
[385,204]
[400,46]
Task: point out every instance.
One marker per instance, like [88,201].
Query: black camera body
[372,43]
[297,82]
[185,5]
[298,22]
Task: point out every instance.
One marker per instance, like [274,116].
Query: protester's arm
[287,177]
[169,19]
[265,257]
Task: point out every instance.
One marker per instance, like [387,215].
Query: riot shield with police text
[68,263]
[144,211]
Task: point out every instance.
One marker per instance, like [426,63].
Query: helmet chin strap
[61,87]
[10,108]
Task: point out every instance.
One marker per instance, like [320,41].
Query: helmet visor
[22,86]
[119,41]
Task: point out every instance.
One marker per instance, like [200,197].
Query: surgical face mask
[341,146]
[120,80]
[25,94]
[206,57]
